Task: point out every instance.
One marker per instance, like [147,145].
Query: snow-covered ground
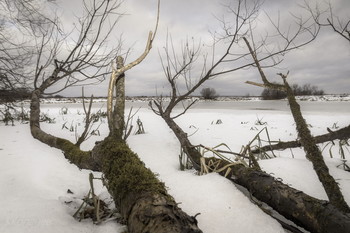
[34,178]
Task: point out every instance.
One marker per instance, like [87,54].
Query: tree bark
[186,145]
[308,212]
[119,106]
[341,134]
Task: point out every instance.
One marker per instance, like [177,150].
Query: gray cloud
[324,62]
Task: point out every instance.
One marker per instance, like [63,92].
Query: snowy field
[34,178]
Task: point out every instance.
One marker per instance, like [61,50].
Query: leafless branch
[324,16]
[21,22]
[88,120]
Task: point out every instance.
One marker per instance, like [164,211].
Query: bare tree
[140,197]
[19,23]
[85,62]
[323,17]
[178,68]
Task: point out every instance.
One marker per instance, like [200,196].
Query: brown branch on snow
[340,134]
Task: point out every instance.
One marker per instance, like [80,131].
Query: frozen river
[278,105]
[342,107]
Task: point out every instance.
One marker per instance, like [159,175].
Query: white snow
[34,178]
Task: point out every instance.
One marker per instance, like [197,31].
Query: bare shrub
[209,93]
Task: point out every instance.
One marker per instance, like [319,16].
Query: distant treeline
[307,89]
[14,94]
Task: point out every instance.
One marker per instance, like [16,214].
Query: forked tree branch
[116,73]
[81,59]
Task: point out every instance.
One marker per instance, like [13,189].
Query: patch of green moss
[74,154]
[125,172]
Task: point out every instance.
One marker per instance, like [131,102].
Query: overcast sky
[325,62]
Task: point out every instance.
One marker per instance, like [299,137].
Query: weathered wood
[116,73]
[119,106]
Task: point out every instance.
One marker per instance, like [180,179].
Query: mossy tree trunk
[71,151]
[135,189]
[141,198]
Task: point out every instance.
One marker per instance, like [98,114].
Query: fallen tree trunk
[140,197]
[341,134]
[310,213]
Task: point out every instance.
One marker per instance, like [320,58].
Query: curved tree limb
[82,159]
